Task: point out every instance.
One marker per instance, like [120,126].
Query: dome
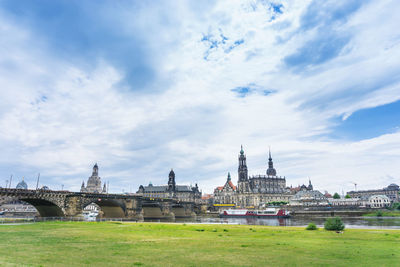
[393,186]
[22,185]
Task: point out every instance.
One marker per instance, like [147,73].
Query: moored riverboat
[267,213]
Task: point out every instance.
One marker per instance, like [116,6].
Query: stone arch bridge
[64,203]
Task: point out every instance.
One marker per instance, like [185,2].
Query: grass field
[154,244]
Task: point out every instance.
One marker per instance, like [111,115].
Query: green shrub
[396,206]
[334,224]
[311,226]
[379,213]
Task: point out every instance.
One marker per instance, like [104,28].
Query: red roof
[207,196]
[231,185]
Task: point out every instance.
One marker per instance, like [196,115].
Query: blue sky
[142,87]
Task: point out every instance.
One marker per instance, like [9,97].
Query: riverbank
[383,214]
[157,244]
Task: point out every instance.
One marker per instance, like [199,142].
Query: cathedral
[253,191]
[94,183]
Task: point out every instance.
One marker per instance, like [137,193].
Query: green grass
[156,244]
[383,214]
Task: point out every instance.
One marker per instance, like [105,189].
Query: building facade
[377,201]
[346,202]
[392,192]
[255,191]
[94,183]
[172,190]
[308,197]
[225,194]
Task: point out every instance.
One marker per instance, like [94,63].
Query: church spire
[270,158]
[271,171]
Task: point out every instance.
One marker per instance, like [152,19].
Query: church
[94,183]
[254,191]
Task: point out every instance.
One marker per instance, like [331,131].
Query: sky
[141,87]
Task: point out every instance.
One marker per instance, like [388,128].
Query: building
[255,191]
[392,192]
[377,201]
[172,190]
[94,183]
[308,197]
[345,202]
[22,185]
[225,194]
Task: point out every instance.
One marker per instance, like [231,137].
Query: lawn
[156,244]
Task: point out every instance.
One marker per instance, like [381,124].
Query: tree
[334,224]
[336,196]
[347,196]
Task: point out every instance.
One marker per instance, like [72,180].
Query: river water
[350,222]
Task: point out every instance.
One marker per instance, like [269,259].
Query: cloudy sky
[141,87]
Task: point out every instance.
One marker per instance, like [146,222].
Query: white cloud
[195,123]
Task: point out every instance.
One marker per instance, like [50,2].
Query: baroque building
[94,183]
[254,191]
[225,194]
[171,190]
[308,197]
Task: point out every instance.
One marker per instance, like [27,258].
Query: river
[350,222]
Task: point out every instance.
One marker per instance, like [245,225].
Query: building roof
[231,185]
[164,188]
[207,196]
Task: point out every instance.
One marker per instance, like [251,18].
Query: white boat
[269,212]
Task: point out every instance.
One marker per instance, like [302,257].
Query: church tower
[271,171]
[171,181]
[243,179]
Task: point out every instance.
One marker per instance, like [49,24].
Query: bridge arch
[110,208]
[44,207]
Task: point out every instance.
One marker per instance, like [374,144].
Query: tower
[310,186]
[243,179]
[171,181]
[93,184]
[95,170]
[271,171]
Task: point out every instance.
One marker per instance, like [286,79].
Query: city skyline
[142,88]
